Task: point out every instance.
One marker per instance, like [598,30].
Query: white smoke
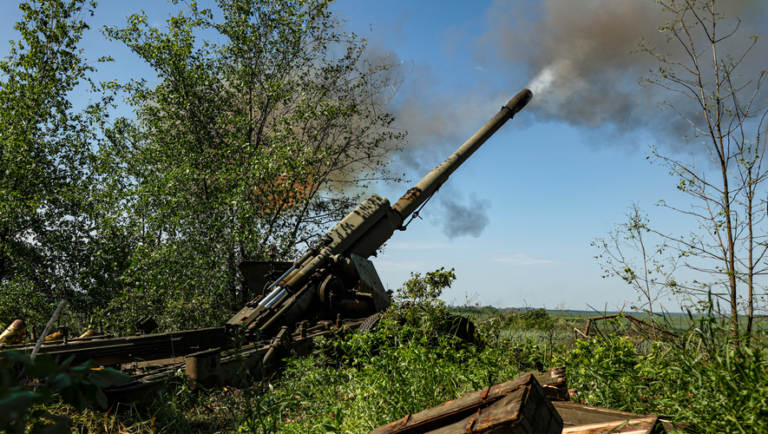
[542,82]
[578,54]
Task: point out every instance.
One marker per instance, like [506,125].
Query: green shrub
[76,386]
[703,379]
[415,359]
[361,381]
[534,319]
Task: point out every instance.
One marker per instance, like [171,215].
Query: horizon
[517,220]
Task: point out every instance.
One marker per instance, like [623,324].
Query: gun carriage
[331,286]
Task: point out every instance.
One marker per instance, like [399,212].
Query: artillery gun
[335,278]
[331,286]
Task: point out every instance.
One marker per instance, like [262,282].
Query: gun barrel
[360,233]
[437,177]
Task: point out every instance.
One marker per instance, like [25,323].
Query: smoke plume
[461,217]
[577,56]
[438,118]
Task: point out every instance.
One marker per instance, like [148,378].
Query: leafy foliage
[530,319]
[427,288]
[651,274]
[77,386]
[703,381]
[54,168]
[726,112]
[409,363]
[245,145]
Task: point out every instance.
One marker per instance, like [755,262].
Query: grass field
[355,382]
[673,321]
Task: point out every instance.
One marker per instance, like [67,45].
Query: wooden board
[554,377]
[645,425]
[520,404]
[527,410]
[451,411]
[574,414]
[579,414]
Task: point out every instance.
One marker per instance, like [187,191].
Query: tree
[245,144]
[426,289]
[52,169]
[727,115]
[652,273]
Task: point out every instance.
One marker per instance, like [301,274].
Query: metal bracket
[370,282]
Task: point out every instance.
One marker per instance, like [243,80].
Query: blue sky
[554,178]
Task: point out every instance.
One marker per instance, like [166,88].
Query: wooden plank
[452,411]
[553,381]
[554,377]
[644,425]
[574,414]
[527,410]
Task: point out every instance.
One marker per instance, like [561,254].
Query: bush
[702,379]
[414,360]
[534,319]
[361,381]
[76,386]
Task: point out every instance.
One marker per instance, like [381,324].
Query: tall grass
[355,382]
[366,380]
[701,379]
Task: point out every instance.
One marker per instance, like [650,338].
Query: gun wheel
[370,323]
